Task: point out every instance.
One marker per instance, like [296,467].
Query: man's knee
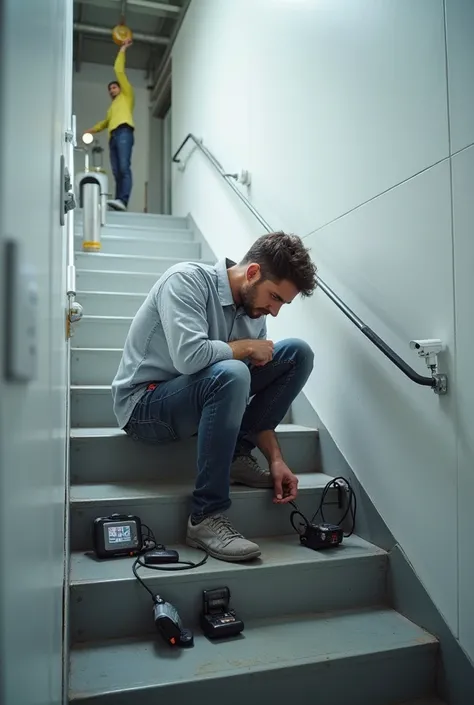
[233,376]
[298,350]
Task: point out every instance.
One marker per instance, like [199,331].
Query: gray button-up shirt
[183,326]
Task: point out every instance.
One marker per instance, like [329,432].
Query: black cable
[150,544]
[134,568]
[350,509]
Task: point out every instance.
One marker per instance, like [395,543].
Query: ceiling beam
[147,7]
[106,32]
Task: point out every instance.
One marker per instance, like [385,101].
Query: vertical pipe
[91,211]
[70,138]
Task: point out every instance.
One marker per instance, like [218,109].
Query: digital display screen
[119,534]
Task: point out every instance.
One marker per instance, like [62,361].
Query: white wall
[340,112]
[90,103]
[33,440]
[460,27]
[155,166]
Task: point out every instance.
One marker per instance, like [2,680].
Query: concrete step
[109,455]
[126,282]
[99,588]
[140,220]
[110,303]
[125,232]
[369,657]
[94,366]
[423,701]
[121,245]
[100,261]
[164,506]
[101,332]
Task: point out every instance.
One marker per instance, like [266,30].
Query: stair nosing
[113,431]
[134,238]
[89,316]
[165,491]
[118,271]
[106,255]
[111,293]
[97,350]
[221,569]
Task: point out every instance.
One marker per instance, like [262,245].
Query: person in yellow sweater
[119,122]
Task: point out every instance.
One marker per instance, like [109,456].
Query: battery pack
[160,556]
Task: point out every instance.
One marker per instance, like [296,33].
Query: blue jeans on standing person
[214,403]
[120,146]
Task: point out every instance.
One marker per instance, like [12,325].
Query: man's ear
[253,272]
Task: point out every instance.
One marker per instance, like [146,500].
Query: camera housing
[428,349]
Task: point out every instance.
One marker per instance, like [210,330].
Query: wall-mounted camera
[428,349]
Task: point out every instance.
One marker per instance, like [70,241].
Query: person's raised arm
[119,68]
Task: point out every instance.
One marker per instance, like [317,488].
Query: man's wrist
[241,348]
[250,348]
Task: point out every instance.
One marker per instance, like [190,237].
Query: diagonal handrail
[437,382]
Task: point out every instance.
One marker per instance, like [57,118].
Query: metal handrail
[437,382]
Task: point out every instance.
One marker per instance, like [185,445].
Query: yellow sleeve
[125,85]
[102,125]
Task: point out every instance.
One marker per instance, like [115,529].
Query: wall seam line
[395,186]
[453,271]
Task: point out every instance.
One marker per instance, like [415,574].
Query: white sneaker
[245,470]
[117,205]
[216,535]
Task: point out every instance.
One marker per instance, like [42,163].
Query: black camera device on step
[319,536]
[218,620]
[117,535]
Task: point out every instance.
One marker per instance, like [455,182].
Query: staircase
[315,622]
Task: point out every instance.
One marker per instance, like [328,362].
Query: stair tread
[111,293]
[127,258]
[105,432]
[120,272]
[113,493]
[96,349]
[91,317]
[423,701]
[107,255]
[128,664]
[91,387]
[142,238]
[115,220]
[276,551]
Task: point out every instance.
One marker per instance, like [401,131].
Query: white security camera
[428,349]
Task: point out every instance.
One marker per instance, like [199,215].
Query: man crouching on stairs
[195,354]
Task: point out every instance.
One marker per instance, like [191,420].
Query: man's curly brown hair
[282,256]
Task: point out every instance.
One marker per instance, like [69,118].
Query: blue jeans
[120,146]
[214,403]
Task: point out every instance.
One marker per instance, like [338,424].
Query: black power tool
[169,625]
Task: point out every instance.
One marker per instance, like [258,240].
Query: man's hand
[285,483]
[125,44]
[259,352]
